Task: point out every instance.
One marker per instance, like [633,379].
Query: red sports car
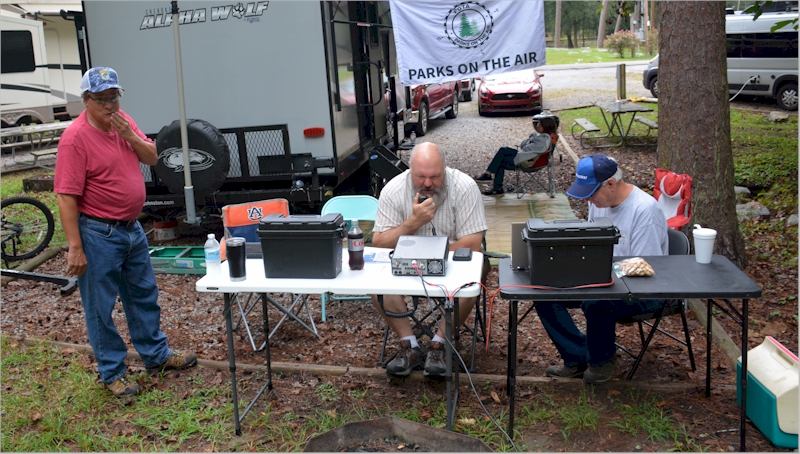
[519,91]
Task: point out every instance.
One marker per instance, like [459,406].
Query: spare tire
[209,157]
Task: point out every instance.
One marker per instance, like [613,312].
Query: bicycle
[27,227]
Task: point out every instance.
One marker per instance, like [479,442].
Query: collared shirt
[458,215]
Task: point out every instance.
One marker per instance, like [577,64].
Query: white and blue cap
[590,174]
[100,78]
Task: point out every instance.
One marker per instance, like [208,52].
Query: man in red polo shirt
[100,193]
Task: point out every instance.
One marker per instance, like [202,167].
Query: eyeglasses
[102,101]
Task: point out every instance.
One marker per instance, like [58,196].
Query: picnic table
[40,137]
[617,110]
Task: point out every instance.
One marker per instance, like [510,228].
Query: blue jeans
[503,160]
[596,347]
[119,264]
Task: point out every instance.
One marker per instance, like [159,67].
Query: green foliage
[579,415]
[620,42]
[327,392]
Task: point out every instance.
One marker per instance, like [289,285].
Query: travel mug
[237,258]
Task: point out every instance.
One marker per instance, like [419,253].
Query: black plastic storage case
[570,253]
[302,246]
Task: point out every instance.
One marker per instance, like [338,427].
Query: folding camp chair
[241,220]
[353,208]
[674,195]
[678,245]
[528,178]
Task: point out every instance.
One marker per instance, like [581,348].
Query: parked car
[467,87]
[518,91]
[431,101]
[650,78]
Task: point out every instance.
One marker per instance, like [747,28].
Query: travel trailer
[41,63]
[300,92]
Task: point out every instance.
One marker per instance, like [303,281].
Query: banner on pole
[438,41]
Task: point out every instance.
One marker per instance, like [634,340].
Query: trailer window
[17,52]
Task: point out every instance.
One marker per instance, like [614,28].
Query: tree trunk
[557,36]
[635,18]
[645,27]
[694,132]
[619,23]
[601,30]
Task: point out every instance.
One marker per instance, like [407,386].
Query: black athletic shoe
[494,191]
[485,177]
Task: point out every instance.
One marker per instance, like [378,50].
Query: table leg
[449,312]
[611,127]
[511,383]
[709,303]
[628,129]
[228,313]
[743,377]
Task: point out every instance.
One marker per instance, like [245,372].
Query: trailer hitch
[68,284]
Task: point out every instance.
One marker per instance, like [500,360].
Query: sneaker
[485,177]
[564,371]
[434,361]
[600,374]
[407,360]
[123,387]
[494,191]
[176,360]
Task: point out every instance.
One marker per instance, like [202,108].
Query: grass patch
[563,56]
[12,186]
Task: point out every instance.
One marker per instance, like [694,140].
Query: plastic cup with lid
[703,243]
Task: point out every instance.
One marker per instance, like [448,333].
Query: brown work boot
[123,387]
[176,361]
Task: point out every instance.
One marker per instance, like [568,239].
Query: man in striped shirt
[454,208]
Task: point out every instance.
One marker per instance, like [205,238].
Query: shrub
[652,42]
[621,41]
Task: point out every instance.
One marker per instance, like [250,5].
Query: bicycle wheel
[27,228]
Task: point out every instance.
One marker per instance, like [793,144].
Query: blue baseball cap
[99,79]
[591,172]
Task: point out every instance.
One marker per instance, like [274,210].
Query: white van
[762,61]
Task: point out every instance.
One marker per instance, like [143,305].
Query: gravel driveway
[470,141]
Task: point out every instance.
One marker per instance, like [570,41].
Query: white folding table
[462,278]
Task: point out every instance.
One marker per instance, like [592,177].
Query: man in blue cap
[101,192]
[643,229]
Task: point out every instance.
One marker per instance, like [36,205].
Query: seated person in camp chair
[643,230]
[453,209]
[544,137]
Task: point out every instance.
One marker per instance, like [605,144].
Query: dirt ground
[353,333]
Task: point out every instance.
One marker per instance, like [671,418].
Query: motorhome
[41,67]
[296,89]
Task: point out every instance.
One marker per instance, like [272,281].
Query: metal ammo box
[570,253]
[302,246]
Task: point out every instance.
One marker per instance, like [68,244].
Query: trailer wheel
[209,157]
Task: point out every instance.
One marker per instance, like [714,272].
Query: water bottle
[212,256]
[355,247]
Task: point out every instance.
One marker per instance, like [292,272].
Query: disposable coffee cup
[703,243]
[237,258]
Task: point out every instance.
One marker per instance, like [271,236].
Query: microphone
[421,199]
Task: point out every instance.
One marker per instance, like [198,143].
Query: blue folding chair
[353,208]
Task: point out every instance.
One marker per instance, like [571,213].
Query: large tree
[694,115]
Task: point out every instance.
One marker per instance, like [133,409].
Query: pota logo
[468,25]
